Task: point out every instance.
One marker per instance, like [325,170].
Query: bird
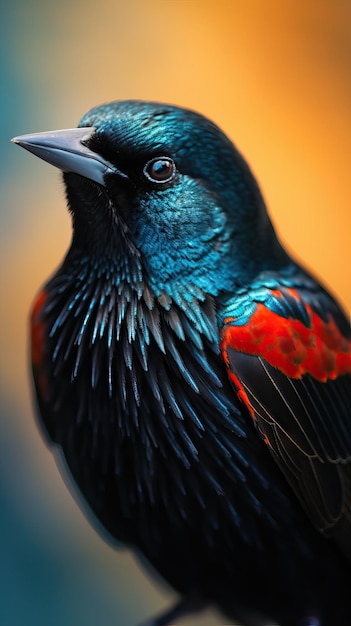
[194,378]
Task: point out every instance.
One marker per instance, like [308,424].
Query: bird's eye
[160,170]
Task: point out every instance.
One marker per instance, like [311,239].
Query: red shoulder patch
[287,344]
[37,328]
[38,340]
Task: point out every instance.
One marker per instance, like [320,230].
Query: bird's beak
[64,149]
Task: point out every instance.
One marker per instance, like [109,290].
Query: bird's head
[165,186]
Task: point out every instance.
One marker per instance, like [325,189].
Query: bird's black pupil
[161,169]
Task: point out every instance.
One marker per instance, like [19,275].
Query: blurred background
[276,76]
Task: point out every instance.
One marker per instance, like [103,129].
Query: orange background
[276,76]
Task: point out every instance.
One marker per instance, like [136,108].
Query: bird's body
[197,380]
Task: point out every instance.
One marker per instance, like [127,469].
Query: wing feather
[290,363]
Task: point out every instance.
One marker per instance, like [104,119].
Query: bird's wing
[287,346]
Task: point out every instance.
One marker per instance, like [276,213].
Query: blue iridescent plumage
[190,433]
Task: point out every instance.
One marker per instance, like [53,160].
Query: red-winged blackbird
[196,379]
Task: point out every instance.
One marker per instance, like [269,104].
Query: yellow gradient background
[276,76]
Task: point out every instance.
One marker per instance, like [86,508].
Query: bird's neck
[107,329]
